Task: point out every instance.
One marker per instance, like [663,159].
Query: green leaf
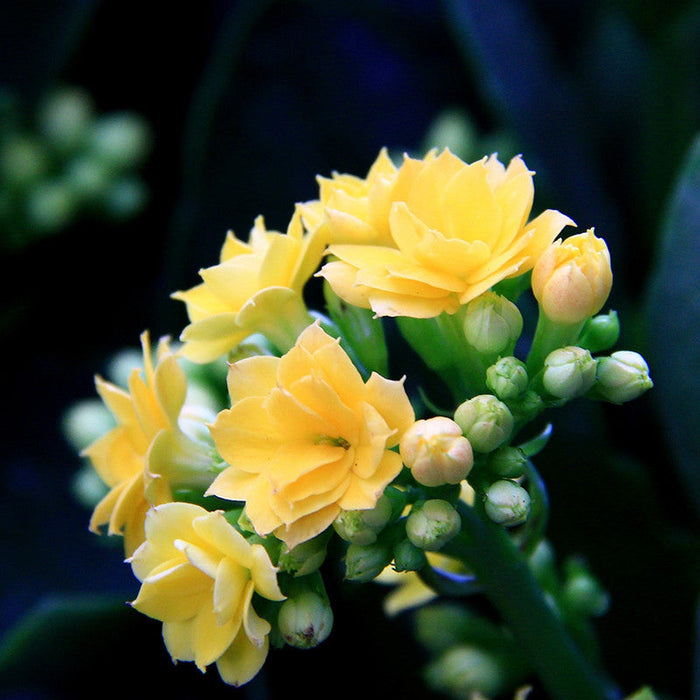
[674,318]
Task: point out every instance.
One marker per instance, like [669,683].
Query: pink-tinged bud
[572,279]
[436,452]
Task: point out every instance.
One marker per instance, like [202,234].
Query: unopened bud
[362,526]
[305,620]
[507,503]
[436,452]
[569,372]
[408,557]
[485,421]
[507,378]
[492,324]
[623,376]
[507,462]
[467,671]
[364,562]
[600,332]
[306,557]
[572,278]
[433,525]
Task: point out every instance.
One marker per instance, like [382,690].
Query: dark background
[248,102]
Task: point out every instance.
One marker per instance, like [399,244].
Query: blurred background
[201,118]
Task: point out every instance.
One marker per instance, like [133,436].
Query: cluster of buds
[62,161]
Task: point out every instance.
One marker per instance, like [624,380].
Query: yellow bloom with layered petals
[351,209]
[457,230]
[146,452]
[255,288]
[306,437]
[198,575]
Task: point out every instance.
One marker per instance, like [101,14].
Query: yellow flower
[255,288]
[198,575]
[353,210]
[457,230]
[147,451]
[305,437]
[573,278]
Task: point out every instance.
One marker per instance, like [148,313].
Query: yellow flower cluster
[307,436]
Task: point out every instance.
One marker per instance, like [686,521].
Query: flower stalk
[510,585]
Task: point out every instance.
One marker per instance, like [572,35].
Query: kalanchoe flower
[255,288]
[485,421]
[353,210]
[569,372]
[305,620]
[622,377]
[507,503]
[436,452]
[456,228]
[572,279]
[492,324]
[148,452]
[198,575]
[306,438]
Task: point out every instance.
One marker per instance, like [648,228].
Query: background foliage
[248,100]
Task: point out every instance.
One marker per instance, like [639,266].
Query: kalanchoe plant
[229,520]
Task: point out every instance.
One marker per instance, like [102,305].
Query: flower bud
[408,557]
[467,671]
[572,279]
[306,557]
[492,324]
[364,562]
[623,376]
[64,118]
[305,620]
[507,503]
[507,378]
[485,421]
[600,332]
[507,462]
[432,525]
[568,372]
[362,526]
[436,452]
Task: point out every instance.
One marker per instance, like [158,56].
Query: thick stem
[549,336]
[509,584]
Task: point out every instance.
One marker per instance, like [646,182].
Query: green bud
[363,562]
[507,503]
[87,178]
[433,524]
[408,557]
[64,117]
[124,198]
[600,332]
[507,462]
[622,377]
[507,378]
[362,526]
[569,372]
[121,139]
[85,421]
[306,557]
[585,595]
[465,671]
[305,620]
[50,206]
[492,324]
[23,161]
[526,406]
[485,421]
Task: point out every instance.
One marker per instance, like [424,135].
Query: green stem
[549,336]
[509,584]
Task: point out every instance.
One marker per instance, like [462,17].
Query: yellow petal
[264,575]
[307,527]
[253,376]
[212,337]
[256,628]
[223,537]
[170,385]
[241,661]
[229,589]
[209,639]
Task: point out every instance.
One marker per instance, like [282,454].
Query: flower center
[335,441]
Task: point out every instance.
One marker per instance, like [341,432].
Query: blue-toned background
[247,102]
